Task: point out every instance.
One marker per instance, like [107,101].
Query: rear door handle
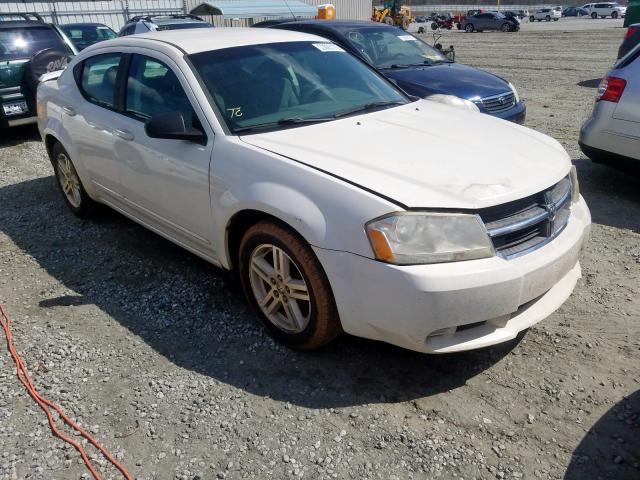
[123,134]
[69,111]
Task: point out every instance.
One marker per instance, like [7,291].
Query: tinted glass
[180,26]
[24,42]
[84,36]
[99,78]
[263,84]
[385,47]
[153,88]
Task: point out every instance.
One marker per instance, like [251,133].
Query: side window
[153,88]
[98,81]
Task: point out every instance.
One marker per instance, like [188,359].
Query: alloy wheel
[279,288]
[68,179]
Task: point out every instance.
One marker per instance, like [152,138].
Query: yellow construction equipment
[392,13]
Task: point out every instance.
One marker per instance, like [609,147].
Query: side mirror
[171,125]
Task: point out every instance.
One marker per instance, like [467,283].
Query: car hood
[427,154]
[448,78]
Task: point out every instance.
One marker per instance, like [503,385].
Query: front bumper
[467,305]
[517,114]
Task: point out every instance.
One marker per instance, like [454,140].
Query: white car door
[87,116]
[166,182]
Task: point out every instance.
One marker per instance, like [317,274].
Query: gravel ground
[156,353]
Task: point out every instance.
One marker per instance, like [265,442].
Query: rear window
[84,36]
[180,26]
[23,42]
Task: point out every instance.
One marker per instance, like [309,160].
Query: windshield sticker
[407,38]
[328,47]
[235,112]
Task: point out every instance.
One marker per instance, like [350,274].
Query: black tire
[505,27]
[434,26]
[614,15]
[84,207]
[594,15]
[468,28]
[532,18]
[555,19]
[323,320]
[547,18]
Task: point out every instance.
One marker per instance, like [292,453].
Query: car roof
[22,24]
[83,24]
[206,39]
[336,25]
[170,20]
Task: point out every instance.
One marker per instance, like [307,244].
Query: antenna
[290,11]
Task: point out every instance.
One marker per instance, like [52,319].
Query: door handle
[69,110]
[123,134]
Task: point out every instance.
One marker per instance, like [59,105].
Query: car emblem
[552,209]
[502,100]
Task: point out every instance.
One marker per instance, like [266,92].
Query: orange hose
[46,405]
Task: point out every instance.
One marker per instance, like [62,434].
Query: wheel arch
[238,225]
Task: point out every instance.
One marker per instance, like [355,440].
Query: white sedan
[281,156]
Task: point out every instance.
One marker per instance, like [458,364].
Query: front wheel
[287,288]
[468,27]
[614,15]
[434,26]
[547,18]
[73,192]
[555,19]
[532,18]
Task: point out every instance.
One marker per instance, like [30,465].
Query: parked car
[604,10]
[631,39]
[490,21]
[22,37]
[522,14]
[612,133]
[418,68]
[83,35]
[151,23]
[575,12]
[305,193]
[546,14]
[421,19]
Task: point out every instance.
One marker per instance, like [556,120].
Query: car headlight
[515,92]
[575,185]
[411,238]
[453,101]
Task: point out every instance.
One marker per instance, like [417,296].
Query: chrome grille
[499,103]
[519,227]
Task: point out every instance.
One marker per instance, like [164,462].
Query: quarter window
[153,88]
[98,82]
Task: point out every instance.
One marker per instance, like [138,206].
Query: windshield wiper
[367,107]
[281,122]
[408,65]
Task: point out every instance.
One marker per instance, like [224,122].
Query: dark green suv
[22,38]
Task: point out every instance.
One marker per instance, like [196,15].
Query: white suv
[547,14]
[604,10]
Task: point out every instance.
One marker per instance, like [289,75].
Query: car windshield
[273,86]
[389,47]
[24,42]
[84,36]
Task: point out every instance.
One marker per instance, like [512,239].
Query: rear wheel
[505,27]
[594,15]
[532,18]
[287,288]
[70,185]
[468,27]
[434,26]
[547,18]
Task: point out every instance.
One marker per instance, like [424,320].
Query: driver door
[166,182]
